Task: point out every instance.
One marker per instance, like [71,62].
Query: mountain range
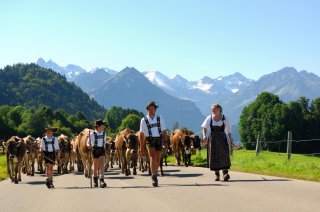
[233,92]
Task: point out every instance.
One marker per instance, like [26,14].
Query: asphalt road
[182,189]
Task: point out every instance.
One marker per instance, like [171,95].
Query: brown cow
[83,152]
[30,157]
[143,157]
[177,142]
[39,157]
[65,153]
[107,157]
[126,143]
[16,150]
[72,154]
[113,153]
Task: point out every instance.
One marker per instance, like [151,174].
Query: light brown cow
[176,140]
[31,154]
[126,143]
[65,153]
[73,154]
[16,150]
[39,157]
[83,153]
[107,158]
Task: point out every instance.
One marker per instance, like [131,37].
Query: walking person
[153,128]
[96,142]
[219,137]
[50,148]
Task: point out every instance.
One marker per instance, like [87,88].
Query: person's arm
[228,130]
[89,140]
[41,146]
[142,140]
[142,137]
[204,135]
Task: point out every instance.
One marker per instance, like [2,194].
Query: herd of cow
[123,150]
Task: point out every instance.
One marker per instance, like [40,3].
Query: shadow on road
[35,182]
[121,177]
[183,175]
[74,187]
[192,185]
[173,170]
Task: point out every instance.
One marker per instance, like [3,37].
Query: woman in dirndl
[218,142]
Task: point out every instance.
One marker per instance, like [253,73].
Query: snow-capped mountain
[70,71]
[108,70]
[202,91]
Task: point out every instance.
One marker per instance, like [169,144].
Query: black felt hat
[99,123]
[53,129]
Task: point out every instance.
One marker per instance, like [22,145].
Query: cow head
[113,145]
[132,142]
[12,146]
[31,144]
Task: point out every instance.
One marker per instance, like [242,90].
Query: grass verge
[268,163]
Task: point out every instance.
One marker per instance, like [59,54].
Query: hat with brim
[53,129]
[152,103]
[99,123]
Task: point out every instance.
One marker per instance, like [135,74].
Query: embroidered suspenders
[96,136]
[149,126]
[49,142]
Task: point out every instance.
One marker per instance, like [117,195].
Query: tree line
[23,120]
[271,119]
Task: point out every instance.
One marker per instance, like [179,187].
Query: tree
[260,118]
[115,115]
[132,121]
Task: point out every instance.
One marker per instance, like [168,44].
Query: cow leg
[19,170]
[9,168]
[134,161]
[32,166]
[16,164]
[111,159]
[161,166]
[178,157]
[165,160]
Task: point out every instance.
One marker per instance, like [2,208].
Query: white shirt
[100,141]
[49,140]
[206,124]
[154,129]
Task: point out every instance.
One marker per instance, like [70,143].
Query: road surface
[182,189]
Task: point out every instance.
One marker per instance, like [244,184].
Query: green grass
[3,168]
[276,164]
[268,163]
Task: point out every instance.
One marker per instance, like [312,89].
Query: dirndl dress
[218,149]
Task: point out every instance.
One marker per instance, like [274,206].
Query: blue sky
[191,38]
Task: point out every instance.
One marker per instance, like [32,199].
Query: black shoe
[51,184]
[102,183]
[95,181]
[226,177]
[217,176]
[48,184]
[154,180]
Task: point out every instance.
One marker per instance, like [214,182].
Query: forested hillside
[31,85]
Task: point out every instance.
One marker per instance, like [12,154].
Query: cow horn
[18,144]
[4,145]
